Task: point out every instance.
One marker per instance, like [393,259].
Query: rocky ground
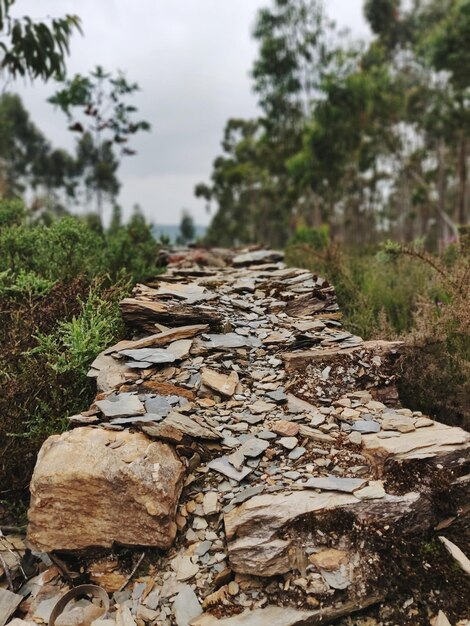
[245,462]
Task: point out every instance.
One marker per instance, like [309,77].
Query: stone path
[255,442]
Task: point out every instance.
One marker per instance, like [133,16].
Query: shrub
[60,285]
[405,293]
[435,366]
[378,296]
[317,238]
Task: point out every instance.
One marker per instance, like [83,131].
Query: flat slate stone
[150,355]
[141,365]
[268,435]
[122,406]
[254,447]
[333,483]
[127,421]
[231,340]
[279,396]
[223,466]
[248,493]
[366,426]
[190,427]
[297,453]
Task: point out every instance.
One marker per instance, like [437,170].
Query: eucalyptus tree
[34,48]
[98,111]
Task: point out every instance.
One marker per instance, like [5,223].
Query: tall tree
[97,109]
[34,48]
[28,161]
[251,185]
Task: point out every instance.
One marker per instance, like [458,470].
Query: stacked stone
[251,438]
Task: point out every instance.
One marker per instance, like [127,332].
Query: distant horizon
[172,231]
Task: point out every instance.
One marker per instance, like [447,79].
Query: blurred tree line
[367,139]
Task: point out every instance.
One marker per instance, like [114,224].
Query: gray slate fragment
[223,466]
[231,340]
[138,419]
[125,406]
[8,603]
[297,453]
[334,483]
[254,447]
[279,396]
[159,405]
[150,355]
[366,426]
[288,442]
[203,548]
[186,606]
[190,427]
[337,579]
[257,257]
[248,493]
[139,365]
[267,434]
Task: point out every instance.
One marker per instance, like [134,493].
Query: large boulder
[97,487]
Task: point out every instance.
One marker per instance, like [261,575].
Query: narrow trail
[256,445]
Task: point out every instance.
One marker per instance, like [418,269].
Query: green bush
[72,246]
[398,292]
[60,286]
[378,296]
[317,238]
[74,343]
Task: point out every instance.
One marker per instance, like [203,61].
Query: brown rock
[253,529]
[435,441]
[88,491]
[159,339]
[106,574]
[329,560]
[285,428]
[226,385]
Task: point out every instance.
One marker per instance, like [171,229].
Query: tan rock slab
[253,528]
[8,604]
[299,360]
[402,423]
[210,504]
[95,487]
[329,560]
[434,441]
[222,383]
[288,616]
[285,428]
[375,489]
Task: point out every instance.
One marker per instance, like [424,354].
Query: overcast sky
[192,60]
